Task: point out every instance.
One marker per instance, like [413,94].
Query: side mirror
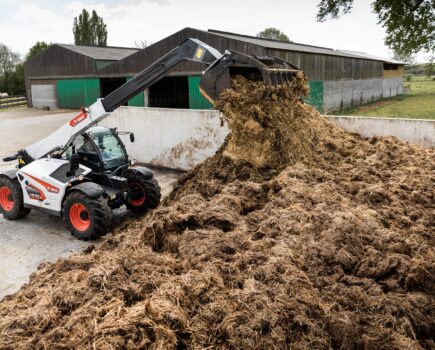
[132,137]
[74,165]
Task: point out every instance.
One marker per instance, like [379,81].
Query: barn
[67,76]
[338,79]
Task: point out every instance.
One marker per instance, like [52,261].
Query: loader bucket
[217,77]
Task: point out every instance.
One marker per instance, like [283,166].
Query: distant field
[418,104]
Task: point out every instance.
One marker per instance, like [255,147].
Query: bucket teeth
[217,78]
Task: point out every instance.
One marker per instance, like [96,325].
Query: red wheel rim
[137,202]
[6,199]
[79,217]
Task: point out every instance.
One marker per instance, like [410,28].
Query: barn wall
[394,73]
[392,87]
[331,68]
[344,94]
[57,61]
[143,58]
[338,82]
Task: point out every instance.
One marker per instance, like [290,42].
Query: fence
[12,101]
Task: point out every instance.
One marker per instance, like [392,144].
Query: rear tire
[11,199]
[87,218]
[146,193]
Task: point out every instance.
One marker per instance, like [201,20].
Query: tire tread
[19,211]
[99,209]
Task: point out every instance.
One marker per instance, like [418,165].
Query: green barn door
[315,98]
[138,100]
[196,100]
[76,93]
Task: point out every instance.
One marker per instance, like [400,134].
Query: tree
[410,59]
[274,34]
[142,44]
[37,49]
[89,30]
[429,68]
[410,24]
[8,63]
[18,80]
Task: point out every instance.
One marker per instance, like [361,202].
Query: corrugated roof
[291,46]
[373,57]
[107,53]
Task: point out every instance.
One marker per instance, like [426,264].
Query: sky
[24,22]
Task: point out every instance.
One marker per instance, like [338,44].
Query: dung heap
[296,234]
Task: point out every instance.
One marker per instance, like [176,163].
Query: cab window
[86,151]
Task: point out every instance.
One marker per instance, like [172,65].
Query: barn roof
[281,45]
[373,57]
[292,46]
[106,53]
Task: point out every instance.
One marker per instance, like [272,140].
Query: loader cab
[100,149]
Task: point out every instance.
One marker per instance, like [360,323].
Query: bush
[408,77]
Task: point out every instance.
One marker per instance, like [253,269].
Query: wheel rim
[6,199]
[79,217]
[140,198]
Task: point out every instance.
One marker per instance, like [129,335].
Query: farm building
[337,78]
[66,76]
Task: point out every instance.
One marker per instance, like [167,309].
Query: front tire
[87,218]
[11,200]
[145,193]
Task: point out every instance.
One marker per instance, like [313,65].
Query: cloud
[158,2]
[152,20]
[30,23]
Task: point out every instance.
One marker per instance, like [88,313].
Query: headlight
[133,162]
[80,177]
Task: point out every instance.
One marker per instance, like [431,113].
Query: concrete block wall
[332,95]
[417,131]
[377,89]
[182,138]
[346,94]
[173,138]
[349,93]
[386,87]
[357,88]
[392,86]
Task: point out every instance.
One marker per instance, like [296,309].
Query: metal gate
[44,96]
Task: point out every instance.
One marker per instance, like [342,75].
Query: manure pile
[296,234]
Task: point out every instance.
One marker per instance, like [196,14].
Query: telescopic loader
[82,171]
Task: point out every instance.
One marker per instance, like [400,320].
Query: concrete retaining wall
[417,131]
[181,138]
[174,138]
[349,93]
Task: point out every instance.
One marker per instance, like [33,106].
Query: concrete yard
[26,243]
